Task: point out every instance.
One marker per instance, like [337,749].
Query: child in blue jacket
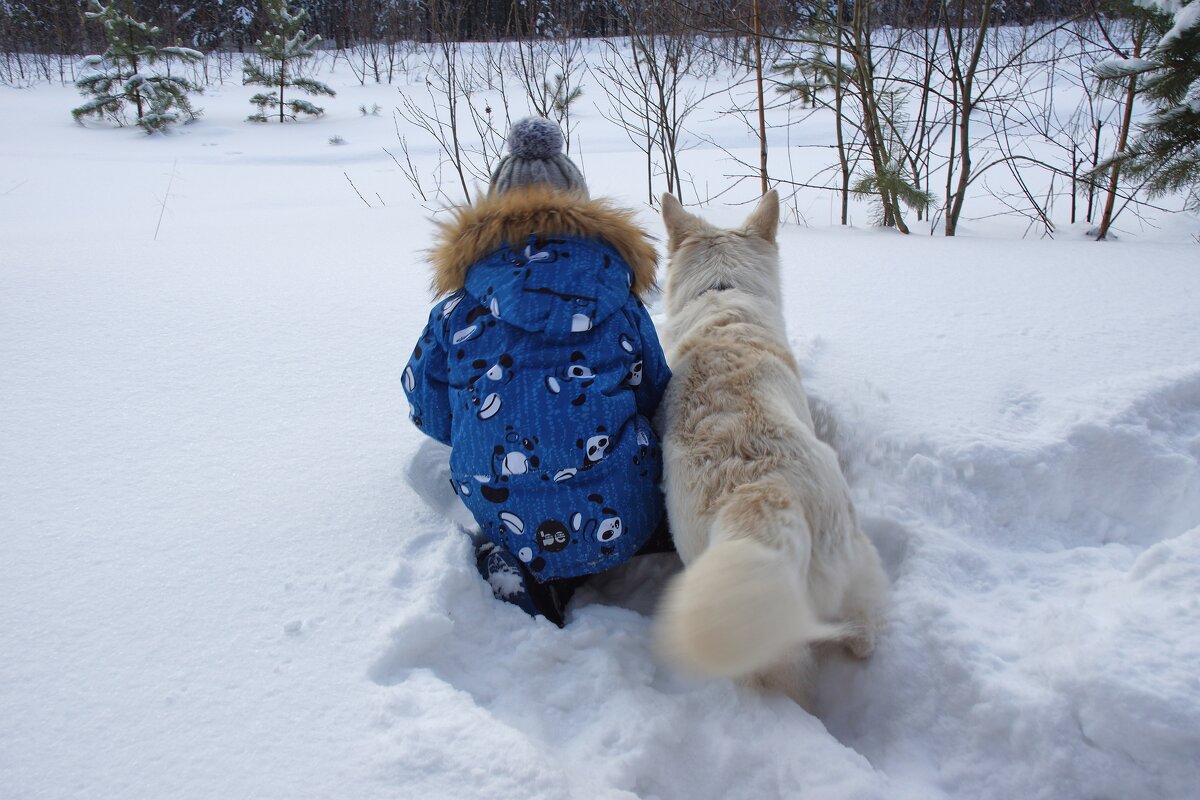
[541,369]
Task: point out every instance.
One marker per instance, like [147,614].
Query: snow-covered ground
[227,568]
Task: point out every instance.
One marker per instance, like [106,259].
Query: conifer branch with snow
[126,74]
[281,51]
[1166,152]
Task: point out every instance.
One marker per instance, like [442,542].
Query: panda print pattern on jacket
[542,371]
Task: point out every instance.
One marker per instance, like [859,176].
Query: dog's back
[760,511]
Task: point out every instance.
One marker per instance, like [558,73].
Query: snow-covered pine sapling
[1145,26]
[1165,153]
[127,74]
[282,50]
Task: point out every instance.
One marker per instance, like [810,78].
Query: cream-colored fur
[775,561]
[474,231]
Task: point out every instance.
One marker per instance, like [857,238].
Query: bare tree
[756,23]
[534,57]
[966,28]
[460,117]
[645,88]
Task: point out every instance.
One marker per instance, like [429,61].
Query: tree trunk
[758,79]
[1074,182]
[964,168]
[838,100]
[1106,216]
[966,83]
[1091,178]
[865,78]
[137,94]
[953,143]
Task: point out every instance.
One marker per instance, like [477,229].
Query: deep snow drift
[228,567]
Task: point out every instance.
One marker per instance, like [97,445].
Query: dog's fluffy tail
[738,609]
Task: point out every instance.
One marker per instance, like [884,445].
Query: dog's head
[704,258]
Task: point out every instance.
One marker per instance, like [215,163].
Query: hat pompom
[536,157]
[535,137]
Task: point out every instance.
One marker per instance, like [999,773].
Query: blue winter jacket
[542,370]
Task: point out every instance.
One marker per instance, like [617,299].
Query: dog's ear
[679,223]
[764,220]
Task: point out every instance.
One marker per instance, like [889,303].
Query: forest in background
[58,27]
[1039,104]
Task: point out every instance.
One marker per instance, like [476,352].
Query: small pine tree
[892,185]
[809,77]
[562,96]
[123,75]
[283,48]
[1166,152]
[893,182]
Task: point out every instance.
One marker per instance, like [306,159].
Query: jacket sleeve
[426,381]
[655,372]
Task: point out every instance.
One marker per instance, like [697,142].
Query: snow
[230,567]
[1186,18]
[1186,15]
[1117,67]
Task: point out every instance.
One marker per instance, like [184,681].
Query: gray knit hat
[535,155]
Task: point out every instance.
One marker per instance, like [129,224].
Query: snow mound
[1128,476]
[1043,607]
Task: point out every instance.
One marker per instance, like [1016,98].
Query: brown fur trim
[514,216]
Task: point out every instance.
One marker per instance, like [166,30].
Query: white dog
[775,561]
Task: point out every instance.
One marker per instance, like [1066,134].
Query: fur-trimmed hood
[510,218]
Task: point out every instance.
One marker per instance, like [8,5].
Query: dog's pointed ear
[764,220]
[678,222]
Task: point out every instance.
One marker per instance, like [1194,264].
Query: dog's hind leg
[862,606]
[791,675]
